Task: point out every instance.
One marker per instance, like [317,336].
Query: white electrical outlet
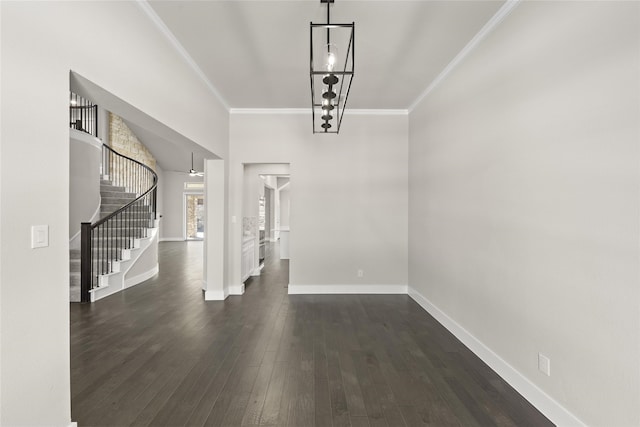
[544,364]
[360,273]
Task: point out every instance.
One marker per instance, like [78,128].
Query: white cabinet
[248,257]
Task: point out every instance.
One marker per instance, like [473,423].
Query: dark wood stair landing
[158,354]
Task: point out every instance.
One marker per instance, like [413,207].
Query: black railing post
[155,206]
[85,261]
[95,123]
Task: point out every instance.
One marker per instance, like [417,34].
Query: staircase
[121,241]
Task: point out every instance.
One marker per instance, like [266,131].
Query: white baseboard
[236,289]
[347,289]
[172,239]
[139,278]
[73,424]
[538,398]
[214,296]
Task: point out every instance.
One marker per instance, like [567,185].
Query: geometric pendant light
[331,72]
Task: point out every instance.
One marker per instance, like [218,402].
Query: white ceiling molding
[307,111]
[270,111]
[157,21]
[500,15]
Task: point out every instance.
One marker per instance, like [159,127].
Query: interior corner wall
[524,201]
[123,52]
[348,196]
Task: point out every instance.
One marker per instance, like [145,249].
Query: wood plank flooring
[158,354]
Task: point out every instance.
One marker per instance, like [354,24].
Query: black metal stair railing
[83,115]
[106,241]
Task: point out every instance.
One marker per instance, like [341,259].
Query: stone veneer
[192,223]
[125,142]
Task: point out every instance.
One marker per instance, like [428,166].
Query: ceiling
[256,53]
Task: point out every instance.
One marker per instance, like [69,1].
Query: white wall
[173,204]
[160,200]
[285,206]
[146,263]
[348,196]
[84,181]
[524,201]
[103,124]
[123,53]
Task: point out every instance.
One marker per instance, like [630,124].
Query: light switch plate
[544,364]
[39,236]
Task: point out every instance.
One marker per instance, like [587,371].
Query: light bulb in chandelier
[331,56]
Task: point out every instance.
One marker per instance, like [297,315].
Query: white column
[215,239]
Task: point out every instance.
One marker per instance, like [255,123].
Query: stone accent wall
[192,205]
[125,142]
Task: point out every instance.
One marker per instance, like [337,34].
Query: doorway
[194,216]
[263,225]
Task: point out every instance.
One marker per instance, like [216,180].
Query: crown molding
[307,111]
[162,27]
[496,19]
[270,111]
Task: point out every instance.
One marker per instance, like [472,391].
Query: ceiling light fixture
[330,73]
[192,171]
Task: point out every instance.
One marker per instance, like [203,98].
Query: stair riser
[134,216]
[120,194]
[119,201]
[104,187]
[135,208]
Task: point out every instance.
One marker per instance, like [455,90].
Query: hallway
[158,354]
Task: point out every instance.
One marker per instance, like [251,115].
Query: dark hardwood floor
[158,354]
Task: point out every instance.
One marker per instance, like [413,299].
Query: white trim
[346,289]
[375,112]
[307,111]
[160,25]
[499,16]
[538,398]
[73,424]
[236,289]
[214,295]
[139,278]
[172,239]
